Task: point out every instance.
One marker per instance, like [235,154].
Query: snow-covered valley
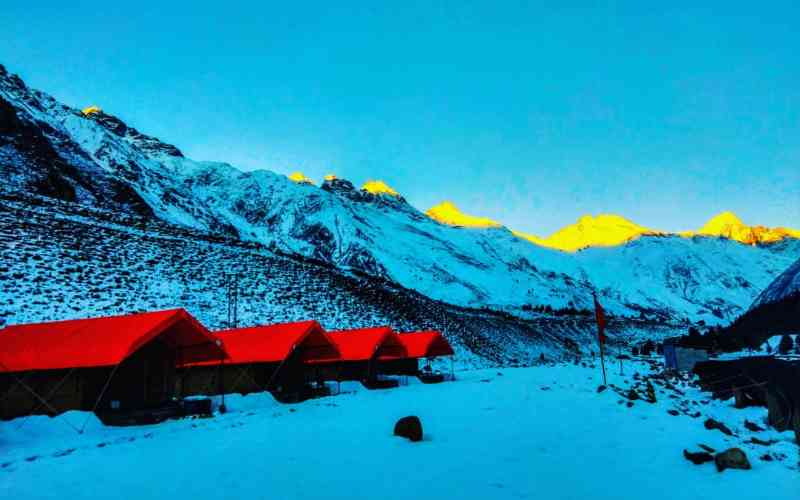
[538,432]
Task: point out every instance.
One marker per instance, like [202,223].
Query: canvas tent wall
[272,358]
[112,363]
[363,352]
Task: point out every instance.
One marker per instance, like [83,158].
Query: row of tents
[141,363]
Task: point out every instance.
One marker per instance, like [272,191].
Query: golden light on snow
[91,110]
[605,230]
[379,187]
[300,178]
[608,230]
[729,225]
[330,177]
[448,213]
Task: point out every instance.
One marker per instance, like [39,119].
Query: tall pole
[603,363]
[600,317]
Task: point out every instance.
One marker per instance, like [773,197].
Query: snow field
[541,432]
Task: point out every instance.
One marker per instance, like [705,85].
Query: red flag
[600,316]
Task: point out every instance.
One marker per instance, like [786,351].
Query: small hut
[363,353]
[275,358]
[114,366]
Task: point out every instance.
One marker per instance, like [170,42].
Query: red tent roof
[106,341]
[274,343]
[365,343]
[427,344]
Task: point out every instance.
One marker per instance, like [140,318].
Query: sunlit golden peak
[728,225]
[448,213]
[720,223]
[300,178]
[602,231]
[330,177]
[379,187]
[91,110]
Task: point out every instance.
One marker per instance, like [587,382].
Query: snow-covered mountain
[94,158]
[786,285]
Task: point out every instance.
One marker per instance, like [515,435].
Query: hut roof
[104,341]
[364,344]
[426,344]
[274,343]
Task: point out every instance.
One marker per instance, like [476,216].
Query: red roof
[367,343]
[274,343]
[427,344]
[107,341]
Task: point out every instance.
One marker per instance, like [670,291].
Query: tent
[107,364]
[363,352]
[419,345]
[276,358]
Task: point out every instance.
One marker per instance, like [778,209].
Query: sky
[532,115]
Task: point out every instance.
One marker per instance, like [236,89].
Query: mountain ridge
[112,166]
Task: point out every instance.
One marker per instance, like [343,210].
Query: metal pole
[603,364]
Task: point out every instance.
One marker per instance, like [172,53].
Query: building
[110,365]
[275,358]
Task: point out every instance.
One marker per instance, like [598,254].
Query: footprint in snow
[32,458]
[6,465]
[102,445]
[64,453]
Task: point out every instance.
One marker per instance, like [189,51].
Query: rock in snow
[699,457]
[409,427]
[733,458]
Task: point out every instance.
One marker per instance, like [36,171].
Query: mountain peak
[300,178]
[729,225]
[448,213]
[91,110]
[604,230]
[379,187]
[721,222]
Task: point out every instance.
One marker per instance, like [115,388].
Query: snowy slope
[539,432]
[64,261]
[107,164]
[784,286]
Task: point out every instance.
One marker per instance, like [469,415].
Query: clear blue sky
[527,114]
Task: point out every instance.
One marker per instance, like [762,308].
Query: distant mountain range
[608,230]
[93,158]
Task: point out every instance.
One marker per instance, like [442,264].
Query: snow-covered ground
[541,432]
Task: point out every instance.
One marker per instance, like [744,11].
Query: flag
[600,316]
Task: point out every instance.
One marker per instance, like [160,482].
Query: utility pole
[232,288]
